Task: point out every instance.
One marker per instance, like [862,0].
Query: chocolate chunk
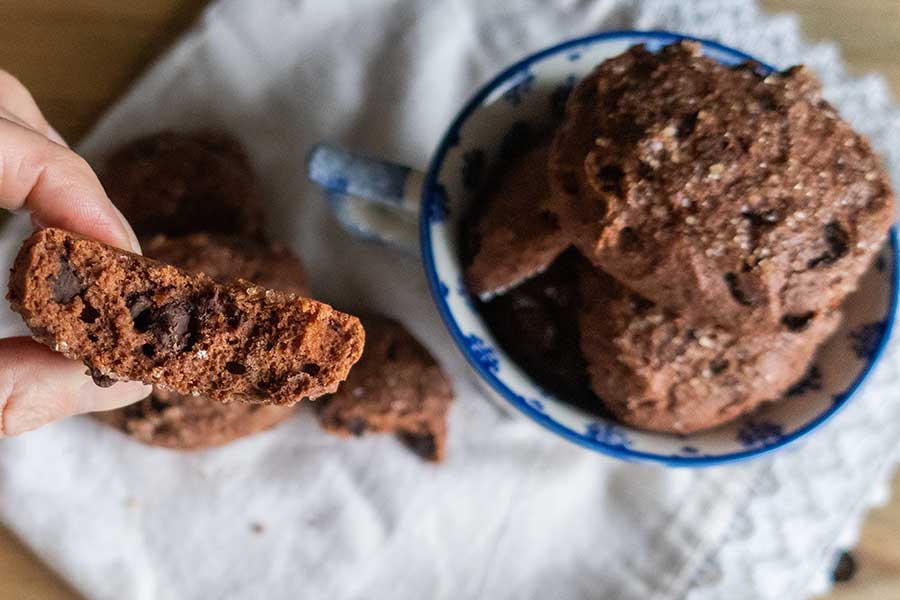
[66,284]
[687,125]
[737,293]
[311,369]
[89,314]
[137,304]
[845,569]
[423,444]
[356,426]
[171,326]
[610,177]
[837,239]
[797,322]
[100,379]
[235,368]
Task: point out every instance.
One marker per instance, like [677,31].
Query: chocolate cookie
[131,317]
[655,370]
[180,422]
[397,387]
[723,193]
[224,258]
[187,422]
[536,324]
[517,235]
[176,183]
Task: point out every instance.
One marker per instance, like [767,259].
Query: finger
[38,386]
[15,98]
[57,187]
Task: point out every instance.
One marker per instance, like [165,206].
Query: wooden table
[78,55]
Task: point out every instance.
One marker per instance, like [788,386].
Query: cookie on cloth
[178,183]
[397,387]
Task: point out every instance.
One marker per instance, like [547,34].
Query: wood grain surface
[77,56]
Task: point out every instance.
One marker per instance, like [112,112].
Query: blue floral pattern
[753,434]
[608,434]
[811,382]
[865,339]
[483,354]
[463,290]
[437,205]
[519,89]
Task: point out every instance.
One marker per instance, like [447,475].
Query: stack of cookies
[719,217]
[194,202]
[218,320]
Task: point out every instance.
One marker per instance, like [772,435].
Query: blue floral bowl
[528,93]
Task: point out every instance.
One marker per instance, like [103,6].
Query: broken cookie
[186,422]
[397,387]
[516,236]
[130,317]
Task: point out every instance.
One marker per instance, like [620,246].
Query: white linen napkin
[515,512]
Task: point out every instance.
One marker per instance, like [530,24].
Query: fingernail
[53,135]
[132,238]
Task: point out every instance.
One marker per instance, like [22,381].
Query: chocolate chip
[838,241]
[737,293]
[765,218]
[837,238]
[767,101]
[610,177]
[100,379]
[148,350]
[422,444]
[311,369]
[797,322]
[641,304]
[629,241]
[138,410]
[845,569]
[138,307]
[687,125]
[718,366]
[66,284]
[89,314]
[158,405]
[171,326]
[232,314]
[357,426]
[235,368]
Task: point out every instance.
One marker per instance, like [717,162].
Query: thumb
[38,386]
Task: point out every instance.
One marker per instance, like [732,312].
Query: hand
[41,175]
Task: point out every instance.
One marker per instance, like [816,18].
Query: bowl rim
[428,197]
